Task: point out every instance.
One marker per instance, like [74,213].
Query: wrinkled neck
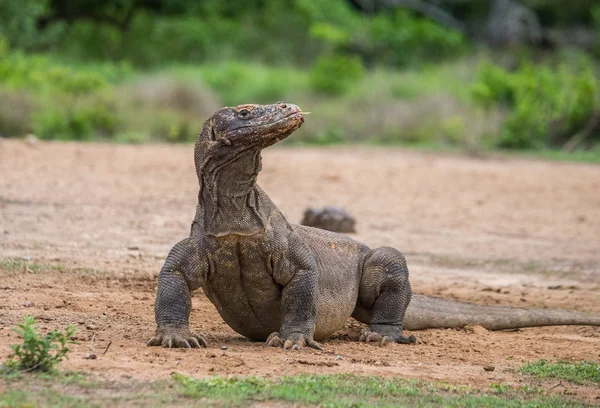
[230,202]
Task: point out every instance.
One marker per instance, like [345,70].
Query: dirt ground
[496,231]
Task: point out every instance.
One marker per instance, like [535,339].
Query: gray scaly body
[287,284]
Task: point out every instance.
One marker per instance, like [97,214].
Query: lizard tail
[426,312]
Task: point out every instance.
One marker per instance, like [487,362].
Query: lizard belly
[246,297]
[242,287]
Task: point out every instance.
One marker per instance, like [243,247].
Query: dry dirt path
[98,220]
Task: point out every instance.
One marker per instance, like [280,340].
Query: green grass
[22,265]
[72,389]
[45,389]
[343,390]
[50,398]
[583,156]
[13,264]
[353,391]
[65,378]
[35,393]
[584,372]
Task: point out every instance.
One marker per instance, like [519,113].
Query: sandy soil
[496,231]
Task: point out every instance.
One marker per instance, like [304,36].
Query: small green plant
[38,352]
[578,373]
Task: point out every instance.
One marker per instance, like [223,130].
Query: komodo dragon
[290,284]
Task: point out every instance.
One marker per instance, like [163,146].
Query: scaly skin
[288,284]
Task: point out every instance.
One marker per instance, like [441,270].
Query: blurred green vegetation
[546,104]
[436,73]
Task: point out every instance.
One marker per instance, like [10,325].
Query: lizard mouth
[287,118]
[293,125]
[299,115]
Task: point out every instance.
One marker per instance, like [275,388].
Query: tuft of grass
[13,264]
[500,388]
[583,372]
[16,264]
[38,352]
[351,391]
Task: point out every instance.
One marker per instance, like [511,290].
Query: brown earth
[100,220]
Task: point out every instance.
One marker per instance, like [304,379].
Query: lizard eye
[213,136]
[244,113]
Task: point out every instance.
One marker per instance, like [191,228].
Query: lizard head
[227,156]
[234,129]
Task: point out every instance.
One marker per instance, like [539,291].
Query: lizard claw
[293,342]
[274,340]
[288,345]
[369,336]
[372,337]
[174,337]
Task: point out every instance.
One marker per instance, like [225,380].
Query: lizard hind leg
[383,297]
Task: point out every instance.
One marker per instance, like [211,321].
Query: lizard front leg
[299,305]
[181,273]
[297,273]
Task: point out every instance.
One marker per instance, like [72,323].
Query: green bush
[281,33]
[149,41]
[394,37]
[38,352]
[399,38]
[333,24]
[494,85]
[39,73]
[20,25]
[77,123]
[336,74]
[88,40]
[237,83]
[57,100]
[547,104]
[169,126]
[273,35]
[77,118]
